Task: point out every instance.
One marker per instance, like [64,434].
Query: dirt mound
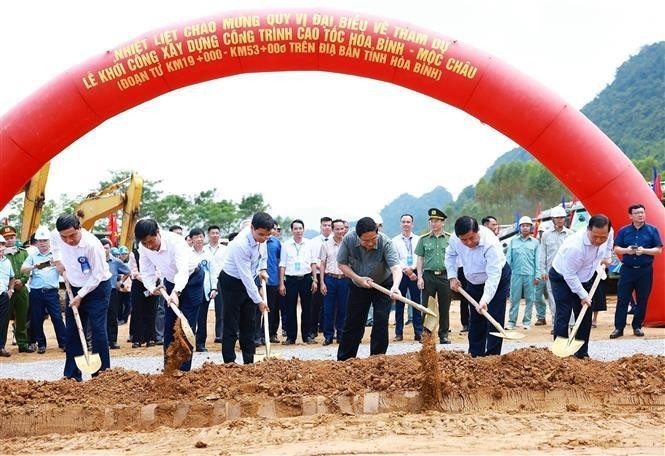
[530,369]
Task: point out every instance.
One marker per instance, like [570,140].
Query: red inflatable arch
[558,135]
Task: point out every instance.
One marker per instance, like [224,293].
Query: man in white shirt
[297,278]
[217,252]
[405,243]
[209,286]
[246,261]
[179,267]
[317,298]
[571,273]
[334,285]
[80,255]
[479,252]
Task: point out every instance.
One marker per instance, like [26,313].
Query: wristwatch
[178,293]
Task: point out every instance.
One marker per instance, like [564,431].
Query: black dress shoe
[310,341]
[218,340]
[41,350]
[274,340]
[159,342]
[114,346]
[136,345]
[582,356]
[465,328]
[26,349]
[616,333]
[398,338]
[288,342]
[4,353]
[444,340]
[418,338]
[327,342]
[638,332]
[149,343]
[201,349]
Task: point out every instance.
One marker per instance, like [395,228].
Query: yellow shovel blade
[563,346]
[189,334]
[511,335]
[431,322]
[90,365]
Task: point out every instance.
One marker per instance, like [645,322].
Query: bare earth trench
[424,402]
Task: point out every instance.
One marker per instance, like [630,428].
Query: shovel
[266,329]
[567,346]
[505,334]
[415,305]
[87,362]
[431,321]
[184,324]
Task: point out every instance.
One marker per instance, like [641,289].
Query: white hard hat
[42,234]
[526,219]
[558,212]
[2,239]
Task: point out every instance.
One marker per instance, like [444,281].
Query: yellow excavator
[95,206]
[125,195]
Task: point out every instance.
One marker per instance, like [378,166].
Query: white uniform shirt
[174,260]
[85,264]
[550,242]
[218,255]
[205,261]
[244,259]
[401,245]
[298,258]
[577,259]
[482,264]
[317,242]
[328,254]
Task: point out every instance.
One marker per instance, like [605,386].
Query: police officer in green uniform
[18,304]
[432,276]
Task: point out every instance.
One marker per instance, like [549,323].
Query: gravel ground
[52,370]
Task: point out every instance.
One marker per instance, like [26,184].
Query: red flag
[113,229]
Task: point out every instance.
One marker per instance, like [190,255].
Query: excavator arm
[33,202]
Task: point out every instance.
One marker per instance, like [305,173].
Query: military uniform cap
[8,230]
[435,213]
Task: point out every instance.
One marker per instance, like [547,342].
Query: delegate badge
[409,260]
[85,265]
[204,264]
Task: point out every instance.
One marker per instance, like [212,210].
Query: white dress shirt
[550,242]
[482,264]
[174,260]
[577,259]
[218,255]
[298,258]
[329,251]
[85,264]
[401,245]
[317,242]
[244,259]
[206,262]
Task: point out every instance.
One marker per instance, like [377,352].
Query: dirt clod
[178,350]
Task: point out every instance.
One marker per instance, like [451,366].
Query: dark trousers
[201,329]
[334,306]
[143,314]
[239,319]
[464,304]
[41,300]
[93,310]
[274,300]
[481,342]
[439,285]
[567,302]
[414,295]
[316,322]
[190,299]
[640,281]
[298,287]
[4,311]
[124,305]
[219,314]
[356,315]
[112,316]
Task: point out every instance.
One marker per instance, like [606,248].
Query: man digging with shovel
[488,281]
[183,279]
[81,259]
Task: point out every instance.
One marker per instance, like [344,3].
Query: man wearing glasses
[367,256]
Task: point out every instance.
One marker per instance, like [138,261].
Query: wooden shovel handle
[415,305]
[176,310]
[600,273]
[266,332]
[485,314]
[77,318]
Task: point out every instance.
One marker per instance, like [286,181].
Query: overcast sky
[307,128]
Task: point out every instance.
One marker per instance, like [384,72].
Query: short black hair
[196,232]
[338,221]
[262,220]
[635,206]
[298,221]
[232,236]
[365,225]
[213,227]
[325,219]
[464,224]
[488,218]
[145,228]
[172,228]
[406,215]
[599,221]
[66,221]
[105,241]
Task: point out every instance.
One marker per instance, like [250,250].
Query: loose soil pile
[178,350]
[526,369]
